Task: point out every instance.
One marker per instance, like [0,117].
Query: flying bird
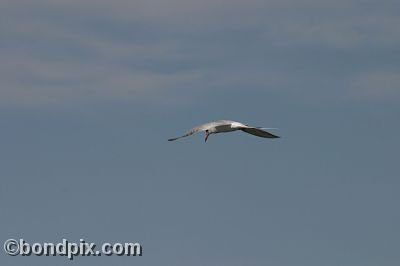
[222,126]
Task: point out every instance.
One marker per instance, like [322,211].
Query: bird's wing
[192,131]
[259,132]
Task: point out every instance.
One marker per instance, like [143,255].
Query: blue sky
[91,91]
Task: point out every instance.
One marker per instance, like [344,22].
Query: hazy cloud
[60,51]
[379,85]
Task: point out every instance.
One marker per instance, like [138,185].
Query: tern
[222,126]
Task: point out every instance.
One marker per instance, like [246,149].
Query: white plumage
[221,126]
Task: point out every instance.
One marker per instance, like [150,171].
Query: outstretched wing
[192,131]
[259,132]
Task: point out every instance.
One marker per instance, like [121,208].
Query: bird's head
[206,135]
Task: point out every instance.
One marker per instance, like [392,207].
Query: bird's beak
[206,136]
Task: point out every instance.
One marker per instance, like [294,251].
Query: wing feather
[191,132]
[259,132]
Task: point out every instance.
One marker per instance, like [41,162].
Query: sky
[90,91]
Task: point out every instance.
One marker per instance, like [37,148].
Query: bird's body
[222,126]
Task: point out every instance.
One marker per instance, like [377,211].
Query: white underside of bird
[222,126]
